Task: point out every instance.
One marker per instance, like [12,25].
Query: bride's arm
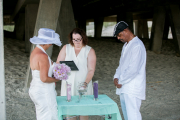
[62,54]
[91,65]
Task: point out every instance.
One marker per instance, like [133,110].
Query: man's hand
[116,83]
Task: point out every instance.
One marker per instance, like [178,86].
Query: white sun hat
[46,36]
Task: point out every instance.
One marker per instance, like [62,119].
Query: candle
[68,92]
[95,89]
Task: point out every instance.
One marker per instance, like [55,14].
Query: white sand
[163,79]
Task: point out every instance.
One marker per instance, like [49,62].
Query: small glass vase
[68,86]
[95,87]
[82,89]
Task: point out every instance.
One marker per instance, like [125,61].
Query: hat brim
[37,40]
[117,32]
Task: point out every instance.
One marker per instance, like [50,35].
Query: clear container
[68,86]
[95,88]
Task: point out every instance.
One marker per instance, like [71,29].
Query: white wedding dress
[77,76]
[44,95]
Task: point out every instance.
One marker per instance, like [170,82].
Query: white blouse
[77,77]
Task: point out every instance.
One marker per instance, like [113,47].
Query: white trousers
[130,106]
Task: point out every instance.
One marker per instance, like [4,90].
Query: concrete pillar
[30,21]
[145,29]
[175,25]
[129,20]
[158,22]
[121,16]
[136,27]
[66,22]
[152,35]
[46,18]
[127,17]
[82,24]
[18,7]
[20,26]
[140,28]
[98,24]
[166,28]
[2,78]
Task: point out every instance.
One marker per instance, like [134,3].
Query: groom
[130,76]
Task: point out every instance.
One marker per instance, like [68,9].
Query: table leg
[109,117]
[102,117]
[64,117]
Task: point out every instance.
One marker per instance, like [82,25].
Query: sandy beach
[162,70]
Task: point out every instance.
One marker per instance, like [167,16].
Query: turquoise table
[87,106]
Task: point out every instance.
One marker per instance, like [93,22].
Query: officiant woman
[85,59]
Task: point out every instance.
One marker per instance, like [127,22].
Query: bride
[42,89]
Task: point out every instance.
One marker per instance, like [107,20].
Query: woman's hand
[85,84]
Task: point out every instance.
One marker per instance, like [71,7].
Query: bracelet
[85,83]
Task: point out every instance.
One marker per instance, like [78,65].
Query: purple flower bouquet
[61,71]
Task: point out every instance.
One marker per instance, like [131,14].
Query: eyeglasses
[78,40]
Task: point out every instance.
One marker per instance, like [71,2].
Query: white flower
[59,67]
